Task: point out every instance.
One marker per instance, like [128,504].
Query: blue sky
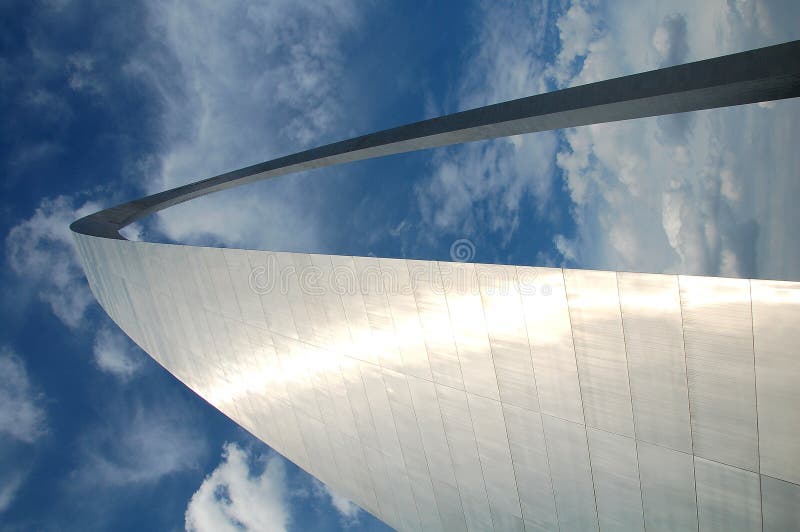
[104,102]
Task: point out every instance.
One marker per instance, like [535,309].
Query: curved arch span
[765,74]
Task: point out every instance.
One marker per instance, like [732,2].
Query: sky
[105,102]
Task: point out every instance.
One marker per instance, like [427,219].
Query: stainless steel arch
[445,396]
[771,73]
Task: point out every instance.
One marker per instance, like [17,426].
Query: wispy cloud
[484,186]
[348,510]
[701,193]
[231,498]
[114,353]
[138,445]
[9,486]
[254,492]
[41,251]
[242,83]
[23,422]
[22,416]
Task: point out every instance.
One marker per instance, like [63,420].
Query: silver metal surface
[600,350]
[571,471]
[718,331]
[668,495]
[366,389]
[443,396]
[728,498]
[547,318]
[652,323]
[776,317]
[615,467]
[781,504]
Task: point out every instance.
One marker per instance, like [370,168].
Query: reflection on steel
[447,396]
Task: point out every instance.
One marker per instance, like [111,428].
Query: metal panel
[344,270]
[668,495]
[221,281]
[247,299]
[495,454]
[781,505]
[381,412]
[403,306]
[531,466]
[289,285]
[296,370]
[508,337]
[307,277]
[450,508]
[318,447]
[464,452]
[384,489]
[266,280]
[544,301]
[341,402]
[384,340]
[469,328]
[600,349]
[572,474]
[434,317]
[776,317]
[728,498]
[324,284]
[403,496]
[184,294]
[431,427]
[425,498]
[651,318]
[615,470]
[359,404]
[405,420]
[353,481]
[719,361]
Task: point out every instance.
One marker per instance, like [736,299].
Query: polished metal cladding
[452,396]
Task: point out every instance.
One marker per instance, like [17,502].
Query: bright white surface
[445,396]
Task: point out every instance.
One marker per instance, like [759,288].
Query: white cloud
[348,510]
[9,486]
[132,232]
[703,193]
[577,30]
[41,250]
[139,446]
[231,498]
[22,417]
[484,185]
[242,83]
[250,491]
[114,353]
[23,422]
